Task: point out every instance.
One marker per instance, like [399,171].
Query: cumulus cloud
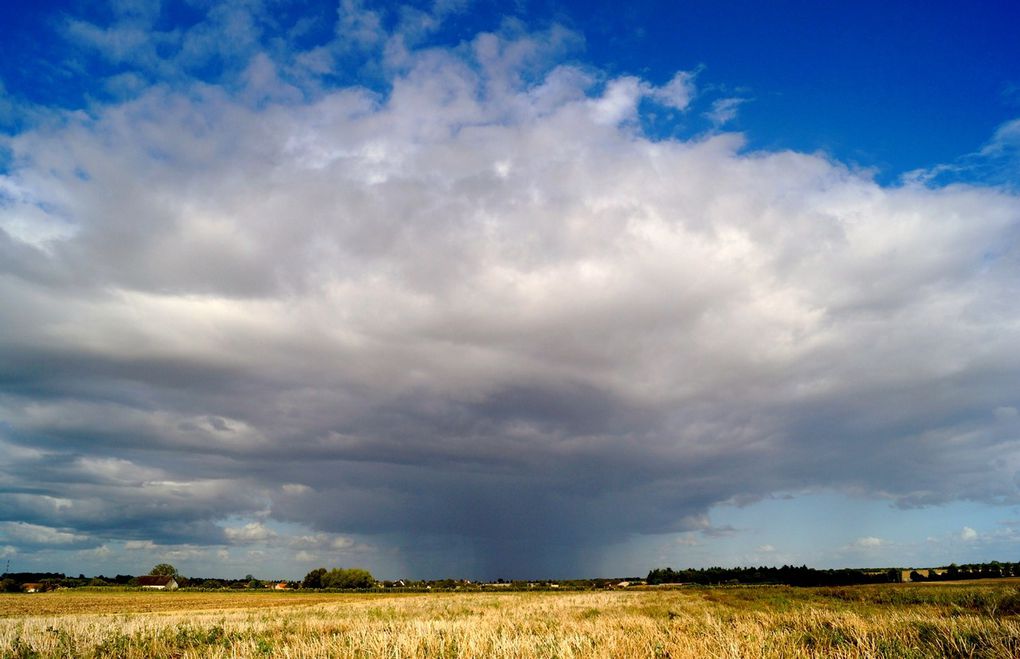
[619,101]
[249,533]
[968,534]
[678,92]
[36,535]
[478,307]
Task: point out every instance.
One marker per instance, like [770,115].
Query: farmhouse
[158,582]
[281,586]
[33,587]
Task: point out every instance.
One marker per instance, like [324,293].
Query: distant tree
[350,578]
[314,578]
[358,578]
[9,586]
[164,570]
[333,579]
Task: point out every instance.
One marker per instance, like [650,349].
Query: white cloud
[1006,138]
[869,542]
[102,551]
[323,541]
[678,92]
[766,549]
[997,161]
[968,534]
[251,532]
[360,25]
[724,110]
[619,101]
[35,534]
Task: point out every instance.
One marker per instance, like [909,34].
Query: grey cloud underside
[482,310]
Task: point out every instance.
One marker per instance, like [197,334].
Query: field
[981,620]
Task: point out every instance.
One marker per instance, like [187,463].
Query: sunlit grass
[891,621]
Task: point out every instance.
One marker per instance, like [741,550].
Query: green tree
[348,578]
[314,578]
[164,570]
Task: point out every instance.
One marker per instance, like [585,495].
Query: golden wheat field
[871,621]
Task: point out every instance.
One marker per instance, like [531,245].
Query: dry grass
[960,621]
[64,602]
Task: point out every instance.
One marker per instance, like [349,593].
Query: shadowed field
[892,621]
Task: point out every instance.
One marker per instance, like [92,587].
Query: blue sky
[508,290]
[893,86]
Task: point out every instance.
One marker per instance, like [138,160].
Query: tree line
[336,578]
[954,572]
[788,575]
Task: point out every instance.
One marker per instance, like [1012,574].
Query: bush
[339,578]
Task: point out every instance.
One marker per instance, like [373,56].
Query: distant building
[158,582]
[33,587]
[281,586]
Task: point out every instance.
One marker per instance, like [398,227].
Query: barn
[158,582]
